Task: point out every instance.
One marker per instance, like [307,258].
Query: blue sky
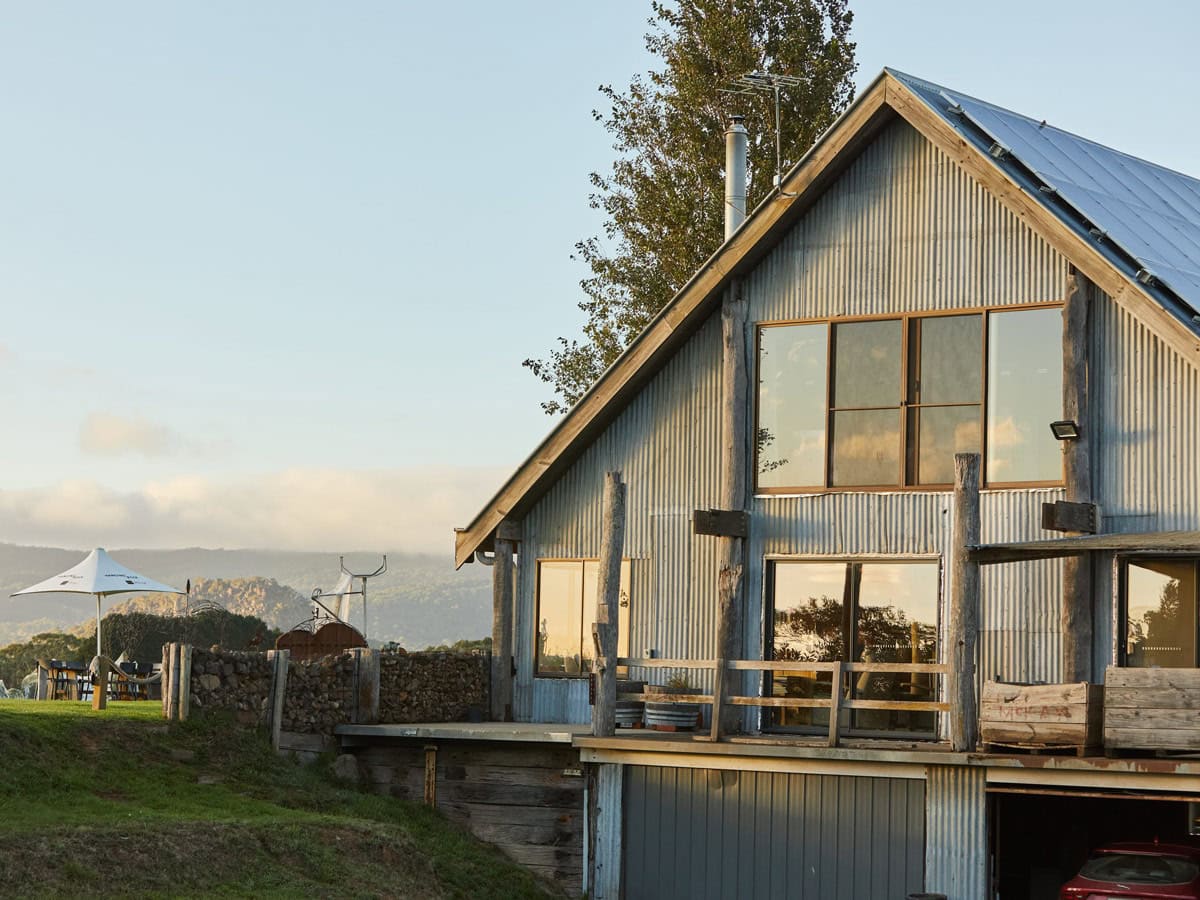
[269,270]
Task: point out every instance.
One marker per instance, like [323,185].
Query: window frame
[850,617]
[1122,562]
[626,563]
[909,448]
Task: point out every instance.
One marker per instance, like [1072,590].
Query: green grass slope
[117,803]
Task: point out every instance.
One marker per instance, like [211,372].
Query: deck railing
[835,703]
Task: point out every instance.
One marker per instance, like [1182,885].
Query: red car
[1127,871]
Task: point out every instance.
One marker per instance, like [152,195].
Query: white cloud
[298,509]
[108,435]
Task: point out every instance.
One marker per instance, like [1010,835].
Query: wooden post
[835,703]
[608,604]
[431,775]
[1077,615]
[731,551]
[502,632]
[185,681]
[278,692]
[173,696]
[366,686]
[100,689]
[165,681]
[43,682]
[962,632]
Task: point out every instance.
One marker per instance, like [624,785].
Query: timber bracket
[1065,515]
[734,523]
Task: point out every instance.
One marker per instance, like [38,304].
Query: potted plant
[670,714]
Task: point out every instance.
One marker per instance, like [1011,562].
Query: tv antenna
[766,83]
[318,594]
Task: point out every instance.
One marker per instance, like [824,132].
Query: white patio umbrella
[100,575]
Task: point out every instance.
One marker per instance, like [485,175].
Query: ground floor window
[855,611]
[1158,610]
[567,591]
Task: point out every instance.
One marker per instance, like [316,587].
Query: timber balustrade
[835,703]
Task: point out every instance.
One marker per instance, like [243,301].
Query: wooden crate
[1041,716]
[1152,709]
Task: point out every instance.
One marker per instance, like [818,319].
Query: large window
[888,402]
[854,611]
[567,590]
[1159,612]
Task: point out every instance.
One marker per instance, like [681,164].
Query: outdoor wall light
[1065,430]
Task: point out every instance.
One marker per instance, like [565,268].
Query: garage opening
[1040,840]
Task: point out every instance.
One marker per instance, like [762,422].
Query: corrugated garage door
[708,833]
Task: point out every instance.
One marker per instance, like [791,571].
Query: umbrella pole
[100,682]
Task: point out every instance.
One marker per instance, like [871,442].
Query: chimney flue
[736,138]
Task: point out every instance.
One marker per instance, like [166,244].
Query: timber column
[1077,615]
[502,622]
[731,550]
[962,632]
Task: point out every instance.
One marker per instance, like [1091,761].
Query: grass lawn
[118,803]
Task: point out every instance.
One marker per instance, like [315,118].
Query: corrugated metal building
[918,200]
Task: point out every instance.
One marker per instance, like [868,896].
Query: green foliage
[18,660]
[478,645]
[140,636]
[664,198]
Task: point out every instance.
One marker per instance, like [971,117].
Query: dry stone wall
[237,682]
[320,694]
[326,692]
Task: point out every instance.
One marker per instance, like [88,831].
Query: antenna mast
[766,83]
[363,576]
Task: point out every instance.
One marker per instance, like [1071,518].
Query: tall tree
[664,198]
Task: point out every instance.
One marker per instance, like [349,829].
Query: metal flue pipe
[736,140]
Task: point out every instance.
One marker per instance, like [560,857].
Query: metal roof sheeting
[1141,215]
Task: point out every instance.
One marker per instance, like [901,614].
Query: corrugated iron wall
[906,229]
[956,846]
[903,229]
[665,446]
[699,833]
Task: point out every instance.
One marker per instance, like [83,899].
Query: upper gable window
[879,403]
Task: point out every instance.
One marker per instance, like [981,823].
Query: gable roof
[1136,212]
[1130,226]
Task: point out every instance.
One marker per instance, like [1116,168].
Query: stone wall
[433,687]
[230,680]
[324,693]
[320,694]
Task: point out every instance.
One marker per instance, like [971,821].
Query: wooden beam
[694,302]
[1065,515]
[721,522]
[502,632]
[1077,626]
[731,549]
[963,628]
[605,877]
[608,603]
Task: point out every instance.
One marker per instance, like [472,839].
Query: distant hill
[276,604]
[419,601]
